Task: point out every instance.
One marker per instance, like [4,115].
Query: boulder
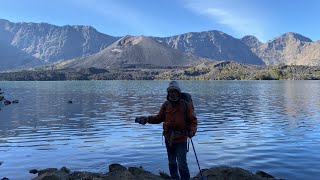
[231,173]
[52,174]
[119,172]
[116,167]
[264,174]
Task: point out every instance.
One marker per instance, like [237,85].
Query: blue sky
[265,19]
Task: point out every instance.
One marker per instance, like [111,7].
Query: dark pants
[178,152]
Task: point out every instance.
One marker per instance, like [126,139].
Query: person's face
[173,95]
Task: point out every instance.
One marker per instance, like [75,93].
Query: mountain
[12,57]
[51,43]
[15,59]
[131,51]
[214,45]
[251,41]
[289,48]
[25,45]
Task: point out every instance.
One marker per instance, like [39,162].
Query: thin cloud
[115,12]
[227,15]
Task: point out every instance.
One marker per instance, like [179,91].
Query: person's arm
[159,118]
[193,119]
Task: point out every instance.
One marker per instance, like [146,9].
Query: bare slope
[289,48]
[135,51]
[214,45]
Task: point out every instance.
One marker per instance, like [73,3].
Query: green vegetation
[206,71]
[236,71]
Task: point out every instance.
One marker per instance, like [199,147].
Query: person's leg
[181,152]
[173,168]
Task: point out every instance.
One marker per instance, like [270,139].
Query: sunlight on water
[258,125]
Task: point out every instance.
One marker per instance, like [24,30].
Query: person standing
[179,123]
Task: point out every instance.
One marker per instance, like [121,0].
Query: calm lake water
[258,125]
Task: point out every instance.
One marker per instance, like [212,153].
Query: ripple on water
[271,126]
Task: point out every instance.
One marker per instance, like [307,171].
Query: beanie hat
[174,85]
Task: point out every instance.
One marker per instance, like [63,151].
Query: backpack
[187,97]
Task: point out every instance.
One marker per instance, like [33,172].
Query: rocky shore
[119,172]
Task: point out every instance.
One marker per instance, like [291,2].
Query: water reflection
[267,125]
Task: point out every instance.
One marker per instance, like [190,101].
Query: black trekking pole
[202,178]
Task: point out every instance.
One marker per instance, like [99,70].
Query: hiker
[179,123]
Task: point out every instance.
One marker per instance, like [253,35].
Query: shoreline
[119,172]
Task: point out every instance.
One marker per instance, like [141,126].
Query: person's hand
[191,134]
[141,120]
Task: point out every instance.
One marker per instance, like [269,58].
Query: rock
[119,172]
[70,102]
[132,173]
[164,175]
[6,102]
[140,173]
[136,170]
[85,175]
[5,178]
[48,170]
[116,167]
[225,172]
[33,171]
[264,174]
[51,174]
[65,170]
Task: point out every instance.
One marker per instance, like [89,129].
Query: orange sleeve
[159,118]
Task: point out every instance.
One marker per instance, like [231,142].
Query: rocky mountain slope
[134,51]
[51,43]
[214,45]
[14,58]
[30,44]
[289,48]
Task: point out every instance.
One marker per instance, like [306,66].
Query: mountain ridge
[50,43]
[134,51]
[213,44]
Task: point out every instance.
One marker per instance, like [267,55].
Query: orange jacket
[173,118]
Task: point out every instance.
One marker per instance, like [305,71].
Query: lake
[257,125]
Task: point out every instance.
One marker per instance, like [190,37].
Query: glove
[191,134]
[141,120]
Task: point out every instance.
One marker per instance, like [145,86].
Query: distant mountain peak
[292,36]
[214,45]
[130,40]
[251,41]
[136,51]
[250,38]
[52,43]
[4,20]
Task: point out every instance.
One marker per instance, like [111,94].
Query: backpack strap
[185,108]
